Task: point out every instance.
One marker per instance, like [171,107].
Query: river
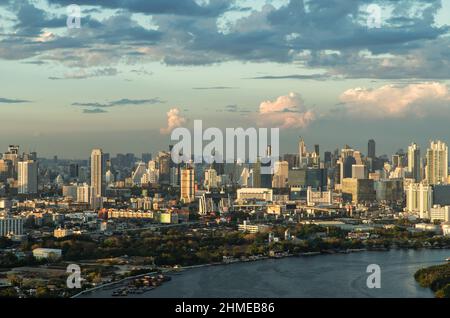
[329,276]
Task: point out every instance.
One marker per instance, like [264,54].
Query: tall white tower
[27,177]
[96,172]
[437,163]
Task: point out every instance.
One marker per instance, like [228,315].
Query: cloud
[213,88]
[83,74]
[121,102]
[94,111]
[286,112]
[174,120]
[396,101]
[170,7]
[318,77]
[326,35]
[12,101]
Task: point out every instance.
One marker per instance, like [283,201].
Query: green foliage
[8,293]
[437,278]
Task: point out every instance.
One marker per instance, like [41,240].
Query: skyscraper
[371,151]
[302,152]
[97,173]
[280,177]
[414,162]
[27,177]
[187,185]
[257,174]
[437,163]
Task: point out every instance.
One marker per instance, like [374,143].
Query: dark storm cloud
[328,34]
[94,111]
[319,77]
[175,7]
[12,101]
[121,102]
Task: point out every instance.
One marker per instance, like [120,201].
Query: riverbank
[335,267]
[437,278]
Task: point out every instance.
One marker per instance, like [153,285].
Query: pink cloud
[286,112]
[397,101]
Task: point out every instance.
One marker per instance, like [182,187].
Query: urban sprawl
[138,219]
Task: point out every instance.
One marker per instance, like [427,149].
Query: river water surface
[340,275]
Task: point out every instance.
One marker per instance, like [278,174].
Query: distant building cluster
[342,182]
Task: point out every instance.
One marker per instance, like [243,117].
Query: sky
[336,72]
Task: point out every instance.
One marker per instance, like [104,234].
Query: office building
[255,194]
[210,179]
[319,197]
[187,185]
[358,190]
[371,149]
[389,190]
[27,177]
[281,174]
[414,162]
[359,171]
[441,195]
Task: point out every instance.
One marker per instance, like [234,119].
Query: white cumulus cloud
[174,120]
[286,112]
[394,101]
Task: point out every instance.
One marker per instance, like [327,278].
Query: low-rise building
[11,225]
[255,194]
[47,253]
[440,213]
[319,197]
[61,233]
[253,228]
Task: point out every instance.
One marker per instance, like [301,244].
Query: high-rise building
[210,179]
[164,160]
[281,174]
[419,199]
[359,172]
[12,155]
[187,185]
[437,163]
[6,170]
[327,159]
[302,152]
[257,174]
[347,167]
[414,162]
[27,177]
[371,149]
[73,170]
[97,172]
[146,157]
[84,193]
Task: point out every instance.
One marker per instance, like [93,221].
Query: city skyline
[133,72]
